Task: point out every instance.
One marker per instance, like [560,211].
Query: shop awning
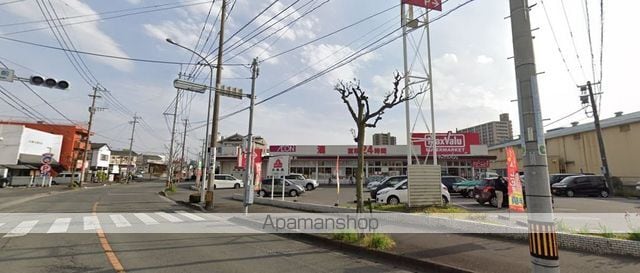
[20,167]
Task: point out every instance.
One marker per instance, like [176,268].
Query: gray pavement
[160,252]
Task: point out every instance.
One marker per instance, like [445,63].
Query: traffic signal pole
[543,246]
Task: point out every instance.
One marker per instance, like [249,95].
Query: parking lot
[326,195]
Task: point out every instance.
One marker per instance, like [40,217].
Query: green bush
[171,189]
[378,241]
[634,235]
[605,232]
[346,236]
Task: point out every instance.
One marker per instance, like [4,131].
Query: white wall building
[100,156]
[21,148]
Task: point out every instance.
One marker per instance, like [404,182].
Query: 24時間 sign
[446,143]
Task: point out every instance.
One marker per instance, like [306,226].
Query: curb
[197,207]
[383,257]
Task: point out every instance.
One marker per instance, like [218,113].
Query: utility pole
[542,229]
[92,111]
[216,109]
[248,170]
[133,130]
[184,141]
[596,122]
[173,133]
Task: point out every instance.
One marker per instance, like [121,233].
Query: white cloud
[86,36]
[482,59]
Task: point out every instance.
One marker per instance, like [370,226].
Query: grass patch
[346,236]
[170,189]
[634,235]
[378,241]
[445,209]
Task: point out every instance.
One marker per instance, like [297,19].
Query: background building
[21,150]
[384,139]
[575,149]
[493,133]
[99,157]
[73,141]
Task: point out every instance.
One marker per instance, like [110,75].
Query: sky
[471,50]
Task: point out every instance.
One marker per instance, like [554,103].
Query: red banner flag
[430,4]
[516,200]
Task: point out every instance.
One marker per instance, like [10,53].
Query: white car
[398,194]
[226,181]
[300,180]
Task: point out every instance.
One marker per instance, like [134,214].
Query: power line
[11,2]
[104,55]
[565,117]
[345,61]
[573,41]
[204,25]
[593,65]
[566,66]
[91,20]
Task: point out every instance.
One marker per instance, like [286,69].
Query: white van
[65,178]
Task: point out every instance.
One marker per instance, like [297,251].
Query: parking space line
[60,225]
[21,229]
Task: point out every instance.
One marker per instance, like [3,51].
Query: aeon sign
[446,143]
[282,148]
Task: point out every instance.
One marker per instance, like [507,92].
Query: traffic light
[51,83]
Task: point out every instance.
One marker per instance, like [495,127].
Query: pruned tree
[359,107]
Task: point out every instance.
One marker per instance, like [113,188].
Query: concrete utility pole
[173,133]
[216,109]
[133,131]
[248,170]
[543,245]
[596,122]
[92,111]
[184,142]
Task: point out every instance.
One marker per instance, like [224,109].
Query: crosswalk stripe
[1,224]
[146,219]
[21,229]
[190,215]
[91,222]
[169,217]
[119,220]
[60,225]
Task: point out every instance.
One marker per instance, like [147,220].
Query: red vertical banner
[257,168]
[516,199]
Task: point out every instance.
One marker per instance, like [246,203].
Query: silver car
[290,188]
[300,180]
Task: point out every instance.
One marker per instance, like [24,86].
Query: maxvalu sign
[446,143]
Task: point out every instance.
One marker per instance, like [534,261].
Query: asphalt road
[135,252]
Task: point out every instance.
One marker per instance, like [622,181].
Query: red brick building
[73,140]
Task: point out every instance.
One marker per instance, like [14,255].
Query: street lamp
[211,90]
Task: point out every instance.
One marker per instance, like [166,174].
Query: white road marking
[146,219]
[91,222]
[119,220]
[60,225]
[21,229]
[169,217]
[190,215]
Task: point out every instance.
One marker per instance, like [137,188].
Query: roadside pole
[92,111]
[273,182]
[184,141]
[173,132]
[543,246]
[248,169]
[133,131]
[596,121]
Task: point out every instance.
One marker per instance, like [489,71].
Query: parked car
[557,177]
[449,180]
[465,188]
[299,179]
[638,188]
[290,188]
[374,178]
[590,185]
[488,175]
[222,181]
[65,178]
[399,194]
[4,181]
[390,181]
[485,192]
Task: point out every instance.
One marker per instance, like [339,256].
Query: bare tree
[357,102]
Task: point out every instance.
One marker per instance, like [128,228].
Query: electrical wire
[555,39]
[573,41]
[565,117]
[593,64]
